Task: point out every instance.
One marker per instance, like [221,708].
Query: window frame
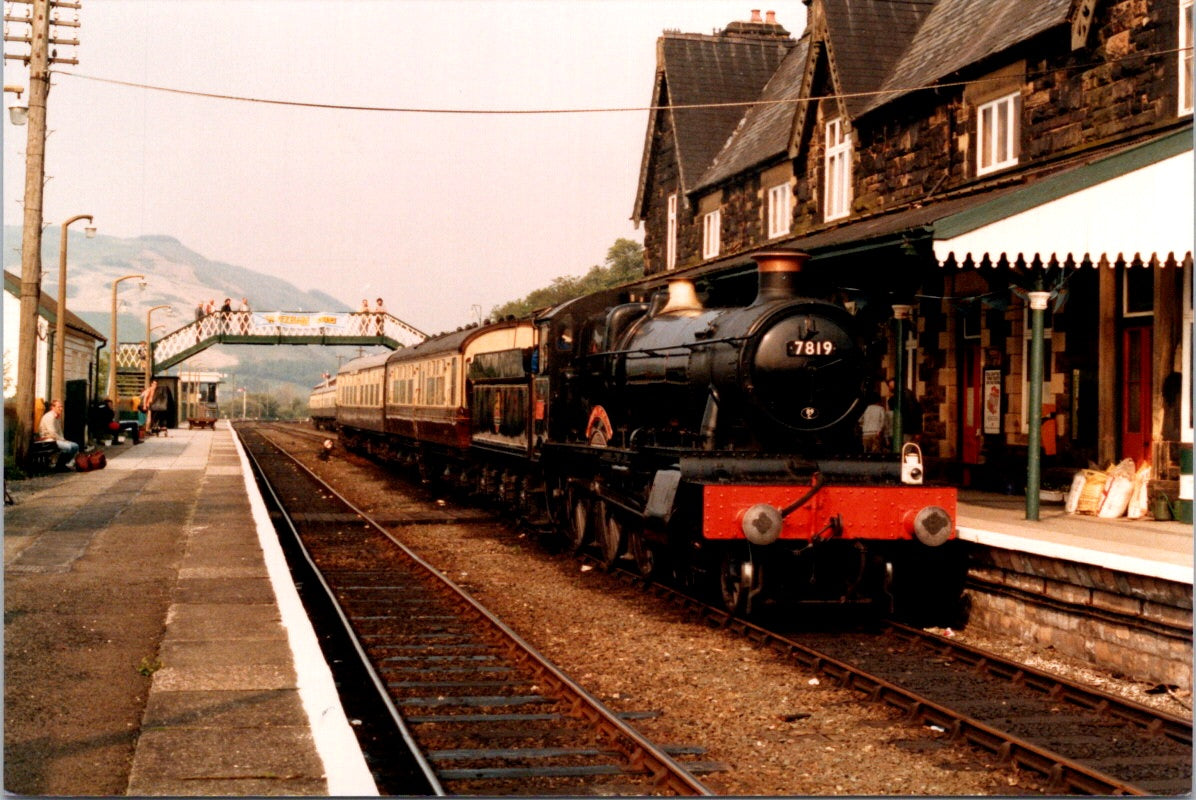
[712,223]
[837,194]
[670,241]
[987,133]
[1184,56]
[780,210]
[1137,291]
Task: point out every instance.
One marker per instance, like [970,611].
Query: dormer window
[780,210]
[838,170]
[712,223]
[997,134]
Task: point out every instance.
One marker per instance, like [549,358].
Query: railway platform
[153,642]
[155,646]
[1144,547]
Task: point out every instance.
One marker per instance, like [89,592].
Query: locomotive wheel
[736,576]
[643,553]
[577,527]
[610,535]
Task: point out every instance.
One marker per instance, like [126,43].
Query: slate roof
[866,39]
[49,309]
[878,51]
[763,133]
[696,69]
[960,33]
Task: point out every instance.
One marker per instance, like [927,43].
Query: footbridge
[270,327]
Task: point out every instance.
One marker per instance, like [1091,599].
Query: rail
[407,612]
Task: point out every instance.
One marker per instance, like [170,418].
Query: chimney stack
[758,27]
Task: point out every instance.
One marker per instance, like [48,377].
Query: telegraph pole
[38,59]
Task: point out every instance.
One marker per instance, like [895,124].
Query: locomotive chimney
[778,271]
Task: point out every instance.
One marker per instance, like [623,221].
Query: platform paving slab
[145,652]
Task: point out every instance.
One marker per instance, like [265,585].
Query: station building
[954,157]
[80,359]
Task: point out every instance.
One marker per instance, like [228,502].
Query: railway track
[481,711]
[1081,740]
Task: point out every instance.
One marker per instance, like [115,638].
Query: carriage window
[564,339]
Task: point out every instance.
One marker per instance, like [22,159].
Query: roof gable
[707,79]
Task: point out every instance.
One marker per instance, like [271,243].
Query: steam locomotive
[712,444]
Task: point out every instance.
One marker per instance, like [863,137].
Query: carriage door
[1135,393]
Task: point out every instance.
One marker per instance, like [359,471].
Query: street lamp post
[60,331]
[112,354]
[149,347]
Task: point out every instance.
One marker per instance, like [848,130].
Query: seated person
[104,423]
[50,430]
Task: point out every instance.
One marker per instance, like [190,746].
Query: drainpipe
[900,314]
[1038,304]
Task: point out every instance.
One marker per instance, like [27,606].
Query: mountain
[179,277]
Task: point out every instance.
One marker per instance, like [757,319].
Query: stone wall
[1133,625]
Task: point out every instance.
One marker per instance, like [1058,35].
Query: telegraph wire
[597,110]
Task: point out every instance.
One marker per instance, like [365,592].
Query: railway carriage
[321,405]
[712,443]
[359,385]
[424,394]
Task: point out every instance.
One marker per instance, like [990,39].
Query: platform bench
[201,422]
[43,456]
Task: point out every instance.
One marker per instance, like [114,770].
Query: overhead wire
[603,109]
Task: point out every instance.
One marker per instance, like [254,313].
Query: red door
[1135,394]
[971,429]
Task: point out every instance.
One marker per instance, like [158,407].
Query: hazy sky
[434,212]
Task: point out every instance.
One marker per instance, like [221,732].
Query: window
[996,134]
[1137,291]
[779,210]
[670,242]
[838,170]
[1185,57]
[711,230]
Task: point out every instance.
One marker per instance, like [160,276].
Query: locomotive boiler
[784,372]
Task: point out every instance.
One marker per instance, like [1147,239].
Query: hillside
[179,277]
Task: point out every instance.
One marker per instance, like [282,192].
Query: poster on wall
[992,401]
